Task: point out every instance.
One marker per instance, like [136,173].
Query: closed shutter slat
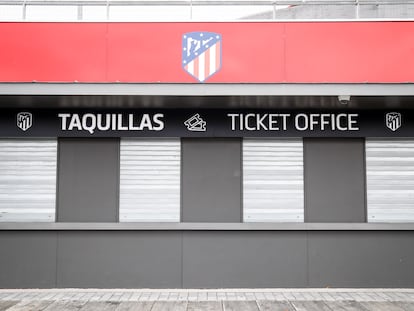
[150,180]
[390,180]
[273,180]
[27,180]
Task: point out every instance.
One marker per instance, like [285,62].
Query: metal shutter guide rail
[207,226]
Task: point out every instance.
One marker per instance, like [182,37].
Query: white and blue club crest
[201,54]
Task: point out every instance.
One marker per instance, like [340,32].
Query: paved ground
[208,300]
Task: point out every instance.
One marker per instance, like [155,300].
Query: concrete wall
[202,259]
[126,259]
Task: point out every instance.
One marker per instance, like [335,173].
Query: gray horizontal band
[239,89]
[207,226]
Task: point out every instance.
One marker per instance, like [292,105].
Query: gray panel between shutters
[390,180]
[27,180]
[273,180]
[150,180]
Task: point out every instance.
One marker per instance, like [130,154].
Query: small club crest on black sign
[24,120]
[393,120]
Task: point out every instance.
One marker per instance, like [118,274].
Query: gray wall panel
[27,259]
[88,180]
[244,259]
[156,259]
[361,259]
[119,259]
[334,180]
[211,180]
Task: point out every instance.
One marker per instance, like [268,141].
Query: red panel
[52,52]
[152,52]
[350,52]
[294,52]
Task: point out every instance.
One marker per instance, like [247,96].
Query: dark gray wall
[361,259]
[244,259]
[88,180]
[157,259]
[28,259]
[119,259]
[211,180]
[334,180]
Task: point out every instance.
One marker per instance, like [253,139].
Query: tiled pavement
[214,299]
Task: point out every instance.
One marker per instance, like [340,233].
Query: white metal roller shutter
[150,180]
[273,180]
[27,180]
[390,180]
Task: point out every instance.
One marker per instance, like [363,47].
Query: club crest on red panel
[201,54]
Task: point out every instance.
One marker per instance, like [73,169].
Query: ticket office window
[150,180]
[28,180]
[273,189]
[390,180]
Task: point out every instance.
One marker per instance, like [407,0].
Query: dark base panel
[205,259]
[361,259]
[28,259]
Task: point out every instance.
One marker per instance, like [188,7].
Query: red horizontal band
[271,52]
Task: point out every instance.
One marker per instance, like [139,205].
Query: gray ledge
[208,89]
[206,226]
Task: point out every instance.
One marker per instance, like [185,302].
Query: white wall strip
[390,180]
[150,180]
[273,180]
[27,180]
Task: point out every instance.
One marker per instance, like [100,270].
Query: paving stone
[310,306]
[135,297]
[222,296]
[135,306]
[37,305]
[259,296]
[205,306]
[65,306]
[11,296]
[5,304]
[345,306]
[407,306]
[381,306]
[100,306]
[274,306]
[169,306]
[240,305]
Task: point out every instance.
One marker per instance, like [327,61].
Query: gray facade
[202,258]
[206,259]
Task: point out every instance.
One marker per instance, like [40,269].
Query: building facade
[206,154]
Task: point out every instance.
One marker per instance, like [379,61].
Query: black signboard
[205,123]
